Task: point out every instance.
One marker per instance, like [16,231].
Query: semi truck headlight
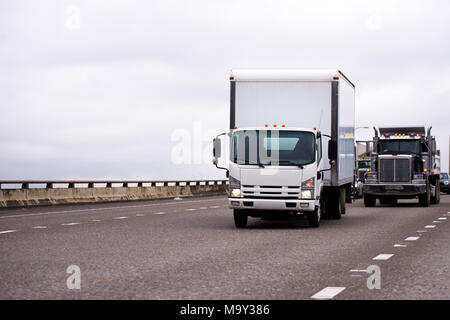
[306,194]
[235,188]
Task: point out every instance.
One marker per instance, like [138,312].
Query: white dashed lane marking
[70,224]
[430,226]
[39,227]
[412,238]
[190,209]
[437,221]
[162,212]
[7,231]
[119,218]
[397,245]
[214,207]
[383,256]
[140,215]
[328,293]
[442,218]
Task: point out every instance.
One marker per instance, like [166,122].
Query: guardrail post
[125,185]
[108,184]
[90,185]
[49,185]
[177,184]
[166,184]
[71,185]
[25,186]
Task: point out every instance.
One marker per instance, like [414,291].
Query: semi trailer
[291,144]
[404,165]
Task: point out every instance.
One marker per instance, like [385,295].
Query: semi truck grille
[394,170]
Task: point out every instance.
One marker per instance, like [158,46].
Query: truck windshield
[272,147]
[364,164]
[444,176]
[399,146]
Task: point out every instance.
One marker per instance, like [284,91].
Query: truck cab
[403,166]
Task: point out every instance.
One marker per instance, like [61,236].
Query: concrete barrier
[27,196]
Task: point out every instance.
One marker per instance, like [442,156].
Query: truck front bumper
[272,204]
[394,189]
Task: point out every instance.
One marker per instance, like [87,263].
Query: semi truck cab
[403,166]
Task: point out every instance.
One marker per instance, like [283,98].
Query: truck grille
[271,192]
[394,170]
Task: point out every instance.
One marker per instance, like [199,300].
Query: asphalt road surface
[190,249]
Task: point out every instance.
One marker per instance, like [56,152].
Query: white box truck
[291,144]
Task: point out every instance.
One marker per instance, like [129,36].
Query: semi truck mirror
[332,149]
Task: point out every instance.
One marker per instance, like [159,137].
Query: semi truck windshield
[399,146]
[272,147]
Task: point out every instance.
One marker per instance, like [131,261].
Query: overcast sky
[105,89]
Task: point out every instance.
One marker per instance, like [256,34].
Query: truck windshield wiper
[292,163]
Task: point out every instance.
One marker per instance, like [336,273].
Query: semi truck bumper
[394,189]
[272,204]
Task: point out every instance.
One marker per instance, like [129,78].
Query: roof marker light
[235,127]
[266,125]
[283,125]
[314,128]
[274,125]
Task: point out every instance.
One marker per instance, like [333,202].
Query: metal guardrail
[25,184]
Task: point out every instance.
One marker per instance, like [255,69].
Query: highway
[190,249]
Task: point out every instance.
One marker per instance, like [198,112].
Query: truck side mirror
[216,151]
[332,149]
[216,148]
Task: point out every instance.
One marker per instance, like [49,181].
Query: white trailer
[291,144]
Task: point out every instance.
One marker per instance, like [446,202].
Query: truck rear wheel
[436,198]
[240,218]
[369,200]
[314,218]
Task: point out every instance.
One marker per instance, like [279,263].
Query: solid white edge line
[328,293]
[100,209]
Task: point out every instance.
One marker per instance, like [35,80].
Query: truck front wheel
[240,218]
[314,218]
[369,200]
[424,198]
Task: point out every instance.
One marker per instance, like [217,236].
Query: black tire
[240,218]
[436,199]
[348,195]
[369,200]
[336,213]
[313,218]
[424,198]
[342,199]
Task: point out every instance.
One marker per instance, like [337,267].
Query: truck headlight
[445,182]
[236,193]
[235,188]
[308,189]
[306,194]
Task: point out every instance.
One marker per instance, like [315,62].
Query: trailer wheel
[314,218]
[240,218]
[369,200]
[424,198]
